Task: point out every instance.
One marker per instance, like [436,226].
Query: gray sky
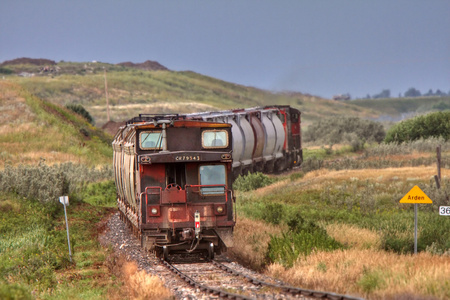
[318,47]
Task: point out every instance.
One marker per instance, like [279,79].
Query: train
[174,172]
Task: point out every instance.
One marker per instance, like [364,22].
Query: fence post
[438,162]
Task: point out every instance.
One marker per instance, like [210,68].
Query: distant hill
[150,87]
[28,61]
[148,65]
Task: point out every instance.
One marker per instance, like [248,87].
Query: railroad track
[220,280]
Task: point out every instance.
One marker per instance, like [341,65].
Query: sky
[319,47]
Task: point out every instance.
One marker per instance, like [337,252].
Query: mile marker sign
[415,196]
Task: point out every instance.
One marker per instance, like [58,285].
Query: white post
[64,200]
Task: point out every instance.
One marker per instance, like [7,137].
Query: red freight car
[174,172]
[173,179]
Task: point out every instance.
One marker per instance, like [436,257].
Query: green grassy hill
[32,129]
[132,91]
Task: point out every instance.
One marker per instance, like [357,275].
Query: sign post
[416,196]
[65,201]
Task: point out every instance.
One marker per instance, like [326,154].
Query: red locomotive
[174,173]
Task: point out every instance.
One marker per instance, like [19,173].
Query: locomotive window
[215,139]
[294,118]
[150,140]
[211,175]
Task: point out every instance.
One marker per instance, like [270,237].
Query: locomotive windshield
[212,175]
[150,140]
[215,139]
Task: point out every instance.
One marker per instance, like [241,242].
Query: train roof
[173,122]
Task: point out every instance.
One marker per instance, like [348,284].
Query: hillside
[137,88]
[396,109]
[342,200]
[32,129]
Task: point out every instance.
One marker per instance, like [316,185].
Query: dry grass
[374,274]
[13,109]
[251,239]
[142,285]
[317,179]
[127,111]
[403,157]
[354,237]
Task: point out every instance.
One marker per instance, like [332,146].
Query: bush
[303,237]
[47,183]
[422,127]
[251,182]
[273,213]
[287,248]
[352,130]
[5,71]
[79,109]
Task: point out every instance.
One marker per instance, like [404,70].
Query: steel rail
[287,289]
[202,287]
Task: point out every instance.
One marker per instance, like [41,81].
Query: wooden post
[107,101]
[438,156]
[438,183]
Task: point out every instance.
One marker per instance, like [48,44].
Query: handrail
[199,186]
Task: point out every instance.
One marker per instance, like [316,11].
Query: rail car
[265,139]
[174,173]
[173,179]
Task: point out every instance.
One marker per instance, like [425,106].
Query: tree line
[386,93]
[410,93]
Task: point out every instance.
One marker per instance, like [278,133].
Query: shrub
[47,183]
[79,109]
[340,129]
[422,127]
[273,213]
[5,71]
[252,181]
[372,280]
[287,248]
[302,238]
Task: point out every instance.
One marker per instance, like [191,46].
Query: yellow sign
[416,195]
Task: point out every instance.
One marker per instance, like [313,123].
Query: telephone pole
[107,101]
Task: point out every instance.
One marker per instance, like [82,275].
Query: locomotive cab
[177,190]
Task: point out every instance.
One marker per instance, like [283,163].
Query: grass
[340,227]
[34,258]
[372,273]
[47,131]
[33,247]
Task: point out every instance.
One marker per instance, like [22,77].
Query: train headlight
[154,211]
[219,209]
